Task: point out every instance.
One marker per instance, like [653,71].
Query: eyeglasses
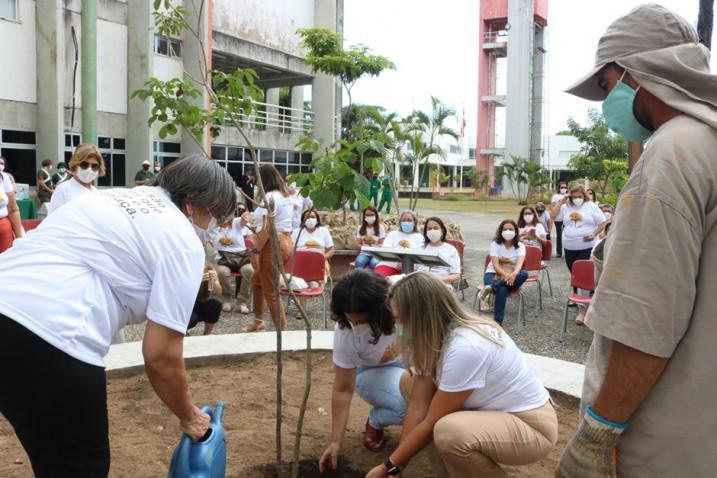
[86,164]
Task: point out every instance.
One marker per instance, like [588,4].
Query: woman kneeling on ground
[365,359]
[473,402]
[504,272]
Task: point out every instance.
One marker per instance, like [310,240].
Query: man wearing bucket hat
[650,370]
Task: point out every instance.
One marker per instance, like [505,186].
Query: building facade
[73,65]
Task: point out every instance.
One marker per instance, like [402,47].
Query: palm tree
[705,22]
[418,152]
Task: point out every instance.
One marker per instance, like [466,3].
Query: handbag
[234,260]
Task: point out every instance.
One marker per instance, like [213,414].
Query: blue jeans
[379,386]
[364,260]
[501,289]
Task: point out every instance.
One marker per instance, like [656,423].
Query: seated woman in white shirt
[233,256]
[434,233]
[370,233]
[530,231]
[505,271]
[86,165]
[366,360]
[407,237]
[314,237]
[474,403]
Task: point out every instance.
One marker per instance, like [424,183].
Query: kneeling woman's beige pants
[473,443]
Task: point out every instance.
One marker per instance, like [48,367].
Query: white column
[193,63]
[325,95]
[272,109]
[297,103]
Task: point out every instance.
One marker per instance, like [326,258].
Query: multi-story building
[70,67]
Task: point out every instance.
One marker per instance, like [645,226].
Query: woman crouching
[473,401]
[366,359]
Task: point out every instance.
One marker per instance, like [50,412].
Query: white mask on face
[563,190]
[434,235]
[608,215]
[87,175]
[311,222]
[2,168]
[577,202]
[359,330]
[370,219]
[528,218]
[508,234]
[204,233]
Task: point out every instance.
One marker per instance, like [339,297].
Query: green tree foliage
[525,177]
[598,144]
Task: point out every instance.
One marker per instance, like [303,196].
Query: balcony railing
[266,117]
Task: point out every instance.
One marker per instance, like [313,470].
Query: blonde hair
[82,153]
[428,313]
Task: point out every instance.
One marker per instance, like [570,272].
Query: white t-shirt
[392,240]
[229,239]
[352,352]
[320,236]
[103,261]
[284,208]
[545,220]
[370,232]
[557,197]
[448,253]
[301,204]
[579,222]
[66,192]
[539,230]
[506,256]
[6,187]
[499,376]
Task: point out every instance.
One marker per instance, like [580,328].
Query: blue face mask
[407,227]
[618,112]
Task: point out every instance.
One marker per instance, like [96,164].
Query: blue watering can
[206,458]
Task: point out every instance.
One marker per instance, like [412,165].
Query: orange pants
[262,288]
[6,234]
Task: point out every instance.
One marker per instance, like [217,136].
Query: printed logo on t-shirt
[3,197]
[134,201]
[389,354]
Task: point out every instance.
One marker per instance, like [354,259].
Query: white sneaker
[243,309]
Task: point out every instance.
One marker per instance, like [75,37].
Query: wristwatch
[392,469]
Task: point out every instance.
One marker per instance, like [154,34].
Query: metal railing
[495,37]
[280,118]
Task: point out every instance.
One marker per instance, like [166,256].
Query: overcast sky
[435,48]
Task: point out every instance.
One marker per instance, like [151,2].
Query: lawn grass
[498,207]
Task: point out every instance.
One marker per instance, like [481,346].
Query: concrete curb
[559,375]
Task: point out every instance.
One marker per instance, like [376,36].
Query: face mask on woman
[563,190]
[528,218]
[2,168]
[407,226]
[577,202]
[87,175]
[508,234]
[370,219]
[359,330]
[311,222]
[61,170]
[434,235]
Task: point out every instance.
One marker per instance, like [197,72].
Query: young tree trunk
[705,22]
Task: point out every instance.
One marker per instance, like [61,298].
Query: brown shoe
[373,438]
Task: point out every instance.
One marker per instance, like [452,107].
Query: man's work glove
[591,453]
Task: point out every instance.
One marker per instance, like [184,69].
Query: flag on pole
[463,122]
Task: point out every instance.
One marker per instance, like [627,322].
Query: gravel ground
[539,336]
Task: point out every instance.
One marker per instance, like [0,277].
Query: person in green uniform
[144,176]
[387,194]
[374,187]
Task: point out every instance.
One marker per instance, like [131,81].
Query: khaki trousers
[226,279]
[473,443]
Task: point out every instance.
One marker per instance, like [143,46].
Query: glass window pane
[76,140]
[104,142]
[68,156]
[168,147]
[160,45]
[234,154]
[167,160]
[294,168]
[106,180]
[305,158]
[305,169]
[266,156]
[119,143]
[21,164]
[279,157]
[219,152]
[294,158]
[235,171]
[8,9]
[68,140]
[118,171]
[20,137]
[176,46]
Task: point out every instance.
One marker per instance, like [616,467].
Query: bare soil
[143,432]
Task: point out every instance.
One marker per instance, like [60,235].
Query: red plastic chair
[30,224]
[460,247]
[547,256]
[582,277]
[310,266]
[533,265]
[518,292]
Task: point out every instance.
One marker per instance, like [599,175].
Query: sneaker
[243,309]
[483,294]
[227,307]
[373,438]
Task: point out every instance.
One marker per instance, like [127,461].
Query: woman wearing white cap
[86,165]
[103,261]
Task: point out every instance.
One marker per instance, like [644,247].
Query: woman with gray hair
[103,261]
[406,237]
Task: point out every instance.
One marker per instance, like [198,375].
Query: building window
[18,149]
[9,10]
[113,153]
[72,140]
[455,149]
[166,151]
[237,161]
[471,153]
[167,46]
